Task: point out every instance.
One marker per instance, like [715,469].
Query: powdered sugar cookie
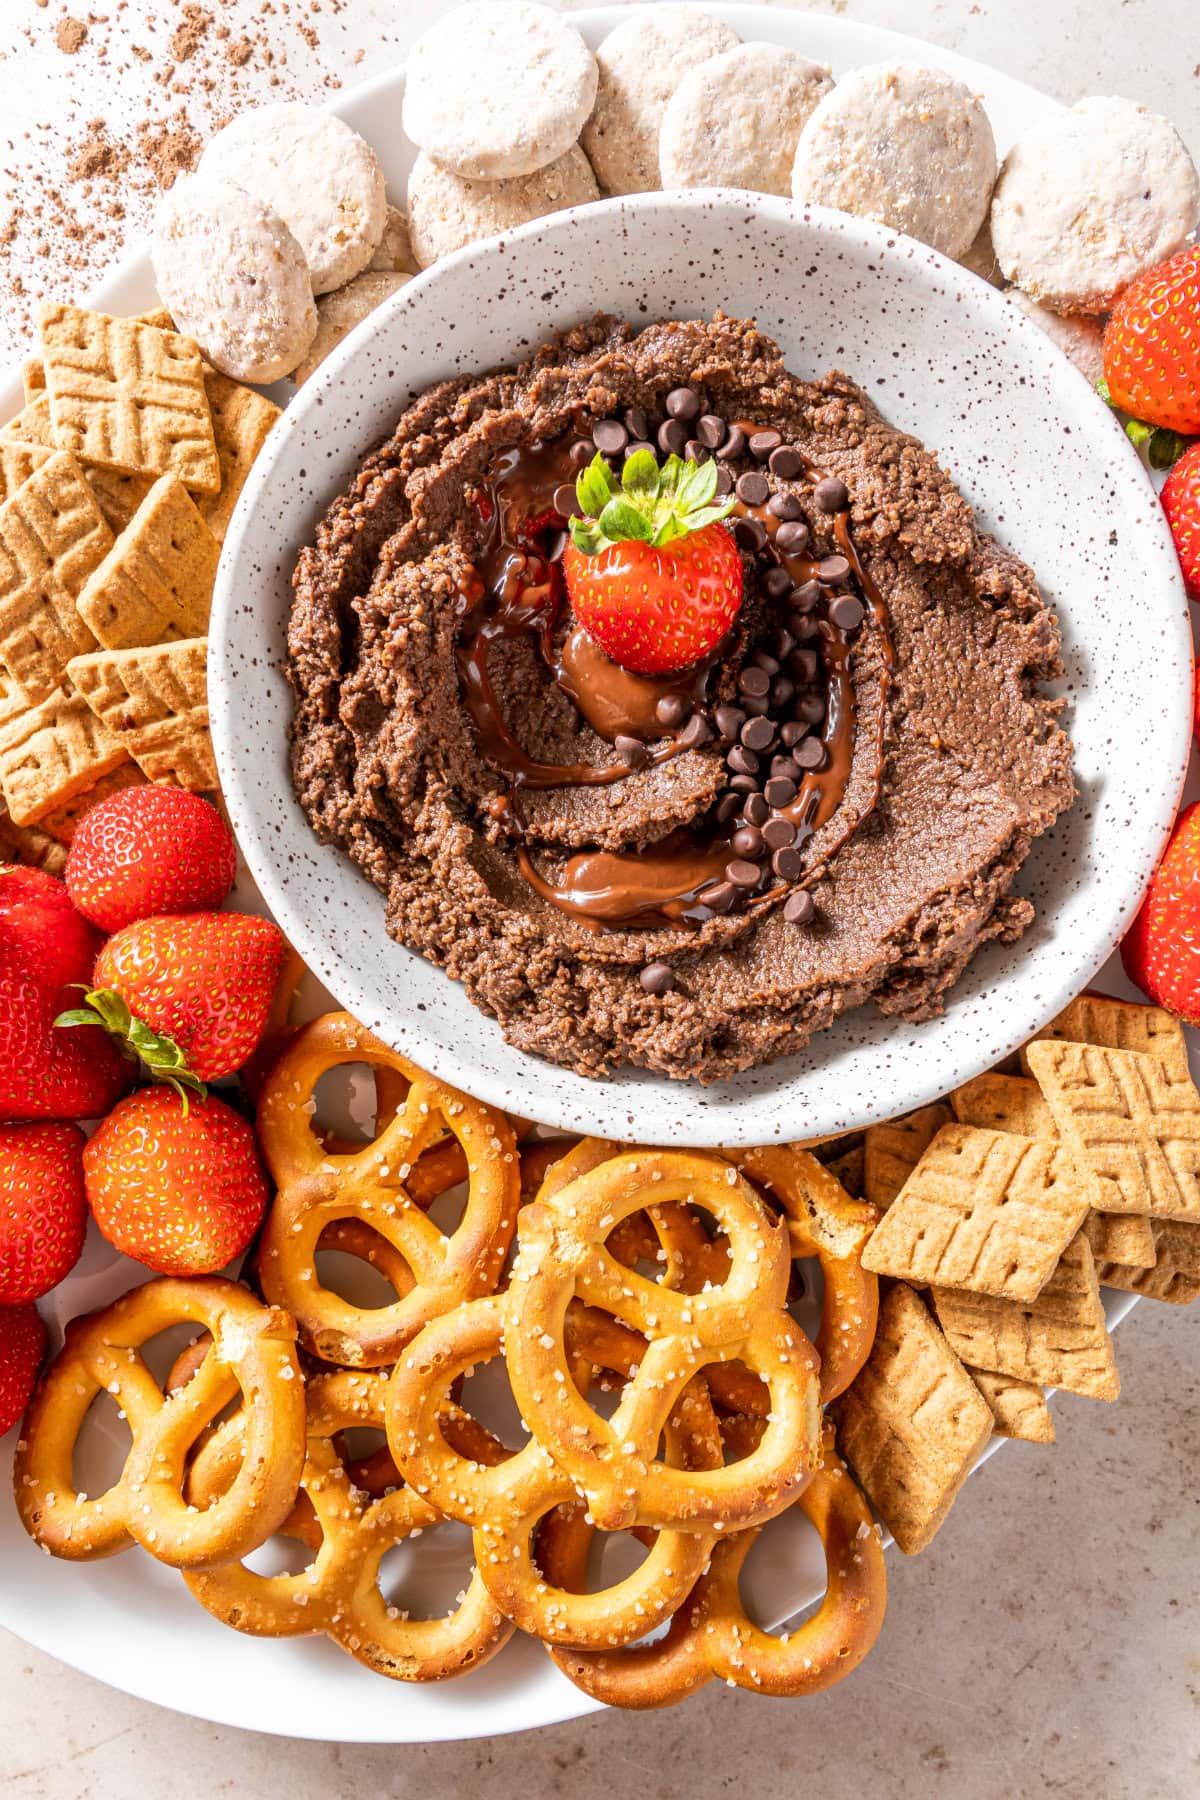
[1079,336]
[322,179]
[1091,198]
[338,313]
[445,211]
[498,88]
[394,249]
[908,146]
[233,277]
[641,63]
[734,120]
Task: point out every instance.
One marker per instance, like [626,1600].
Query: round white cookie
[1080,337]
[317,173]
[233,277]
[445,211]
[642,62]
[907,146]
[394,250]
[1091,198]
[498,88]
[338,313]
[734,120]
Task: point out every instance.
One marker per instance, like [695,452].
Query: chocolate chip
[763,442]
[832,570]
[785,767]
[696,452]
[734,444]
[752,488]
[610,437]
[729,720]
[785,643]
[743,874]
[754,681]
[792,539]
[805,597]
[778,833]
[777,582]
[720,897]
[785,506]
[757,705]
[632,448]
[742,761]
[566,501]
[779,792]
[787,863]
[682,403]
[810,753]
[711,431]
[728,807]
[672,436]
[792,732]
[756,811]
[631,751]
[724,482]
[786,463]
[749,534]
[803,664]
[637,424]
[697,731]
[581,453]
[657,978]
[805,625]
[748,842]
[799,908]
[831,495]
[846,611]
[762,659]
[757,734]
[671,711]
[743,784]
[811,709]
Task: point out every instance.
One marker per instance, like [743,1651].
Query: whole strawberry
[43,1214]
[1152,345]
[150,850]
[652,575]
[175,1184]
[46,947]
[1160,951]
[189,994]
[1181,503]
[22,1347]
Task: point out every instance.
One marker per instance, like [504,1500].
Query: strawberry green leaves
[162,1056]
[649,504]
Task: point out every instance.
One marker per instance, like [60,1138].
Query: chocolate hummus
[696,872]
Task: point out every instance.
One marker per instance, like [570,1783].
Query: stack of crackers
[117,482]
[1007,1207]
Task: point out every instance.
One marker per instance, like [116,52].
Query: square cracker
[52,535]
[32,424]
[912,1422]
[18,460]
[891,1152]
[118,496]
[1004,1103]
[51,753]
[984,1210]
[1019,1408]
[1058,1340]
[156,582]
[155,701]
[33,377]
[1127,1123]
[1121,1238]
[1175,1275]
[241,420]
[128,396]
[31,846]
[1118,1025]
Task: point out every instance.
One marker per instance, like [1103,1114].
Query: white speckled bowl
[946,357]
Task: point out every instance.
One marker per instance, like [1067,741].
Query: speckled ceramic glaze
[945,357]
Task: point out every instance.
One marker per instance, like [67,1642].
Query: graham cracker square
[1175,1273]
[155,701]
[128,396]
[1019,1408]
[1004,1103]
[892,1151]
[30,846]
[118,496]
[52,536]
[52,752]
[33,378]
[156,582]
[241,420]
[912,1422]
[1121,1238]
[1128,1123]
[32,424]
[984,1210]
[18,460]
[1058,1340]
[1118,1025]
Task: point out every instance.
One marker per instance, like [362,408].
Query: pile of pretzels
[659,1277]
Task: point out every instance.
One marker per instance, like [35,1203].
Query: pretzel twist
[378,1185]
[712,1635]
[252,1351]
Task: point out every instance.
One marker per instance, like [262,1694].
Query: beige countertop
[1047,1642]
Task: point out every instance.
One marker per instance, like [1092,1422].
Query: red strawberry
[176,1184]
[1152,345]
[22,1347]
[1161,951]
[43,1214]
[1181,503]
[45,948]
[150,850]
[190,994]
[652,575]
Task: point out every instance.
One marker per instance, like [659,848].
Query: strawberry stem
[648,503]
[161,1057]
